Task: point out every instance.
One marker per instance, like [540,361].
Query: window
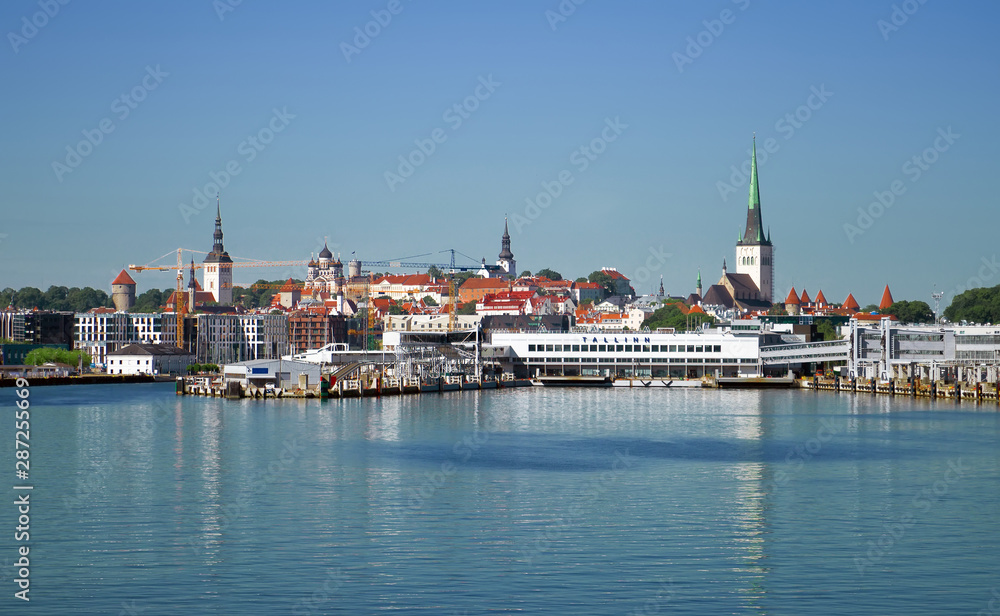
[698,349]
[531,348]
[604,348]
[620,348]
[628,348]
[559,348]
[690,348]
[548,348]
[576,347]
[593,348]
[673,348]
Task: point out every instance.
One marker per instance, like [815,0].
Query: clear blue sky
[655,189]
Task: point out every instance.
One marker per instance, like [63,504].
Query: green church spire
[754,233]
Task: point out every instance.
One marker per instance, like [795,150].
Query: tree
[153,300]
[826,329]
[581,279]
[29,297]
[429,301]
[671,316]
[526,274]
[45,355]
[467,308]
[777,309]
[911,312]
[434,272]
[870,308]
[980,305]
[605,280]
[550,274]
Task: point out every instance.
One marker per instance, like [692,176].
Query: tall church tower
[754,250]
[506,260]
[219,266]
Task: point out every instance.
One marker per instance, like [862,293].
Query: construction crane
[452,268]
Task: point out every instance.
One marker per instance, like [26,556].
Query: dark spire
[754,233]
[217,246]
[505,252]
[325,253]
[191,280]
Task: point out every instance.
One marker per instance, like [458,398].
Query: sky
[609,134]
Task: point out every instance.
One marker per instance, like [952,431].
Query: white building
[149,359]
[102,331]
[429,322]
[660,355]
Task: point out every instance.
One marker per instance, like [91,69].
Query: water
[540,501]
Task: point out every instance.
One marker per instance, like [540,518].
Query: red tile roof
[851,303]
[820,298]
[484,283]
[615,274]
[886,299]
[123,278]
[804,298]
[792,298]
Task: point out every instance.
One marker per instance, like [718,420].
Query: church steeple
[505,252]
[217,246]
[754,233]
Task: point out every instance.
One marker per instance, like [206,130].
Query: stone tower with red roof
[123,292]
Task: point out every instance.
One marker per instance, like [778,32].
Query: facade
[754,251]
[123,292]
[325,275]
[644,354]
[149,359]
[475,289]
[100,333]
[227,338]
[514,302]
[429,322]
[310,330]
[282,373]
[219,266]
[403,286]
[38,327]
[887,349]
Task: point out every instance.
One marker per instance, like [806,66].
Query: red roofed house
[821,299]
[851,304]
[583,291]
[886,299]
[622,284]
[804,299]
[514,302]
[406,285]
[475,289]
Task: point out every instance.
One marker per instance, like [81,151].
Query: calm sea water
[535,501]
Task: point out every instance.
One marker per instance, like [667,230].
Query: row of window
[642,360]
[977,339]
[625,348]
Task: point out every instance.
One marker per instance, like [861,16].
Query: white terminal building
[714,352]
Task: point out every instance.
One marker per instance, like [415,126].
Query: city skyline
[606,133]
